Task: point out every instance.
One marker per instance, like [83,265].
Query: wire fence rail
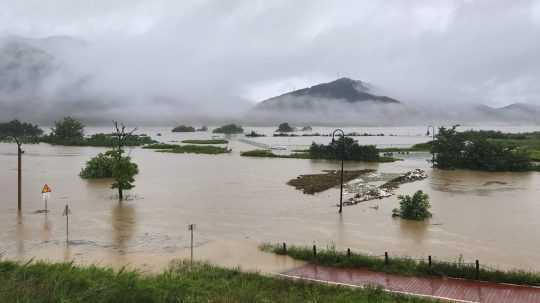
[470,269]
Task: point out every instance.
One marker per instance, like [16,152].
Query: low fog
[164,62]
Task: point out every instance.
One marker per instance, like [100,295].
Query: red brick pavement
[441,288]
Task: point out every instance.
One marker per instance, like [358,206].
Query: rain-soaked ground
[238,203]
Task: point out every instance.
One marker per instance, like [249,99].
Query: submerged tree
[478,151]
[69,131]
[19,132]
[113,163]
[123,170]
[344,148]
[415,207]
[285,128]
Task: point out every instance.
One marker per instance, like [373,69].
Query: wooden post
[386,258]
[429,261]
[348,252]
[314,250]
[284,248]
[477,263]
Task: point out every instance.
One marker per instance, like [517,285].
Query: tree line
[475,150]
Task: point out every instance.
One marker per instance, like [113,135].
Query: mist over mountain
[45,79]
[352,102]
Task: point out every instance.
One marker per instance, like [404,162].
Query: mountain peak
[342,89]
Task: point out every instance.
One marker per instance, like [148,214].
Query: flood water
[238,203]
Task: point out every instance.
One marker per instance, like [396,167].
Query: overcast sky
[230,54]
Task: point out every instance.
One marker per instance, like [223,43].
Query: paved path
[441,288]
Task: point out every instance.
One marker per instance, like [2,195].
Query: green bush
[344,148]
[213,141]
[109,165]
[183,129]
[415,207]
[478,151]
[229,129]
[285,128]
[101,166]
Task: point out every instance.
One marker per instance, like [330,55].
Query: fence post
[386,257]
[348,252]
[477,263]
[314,250]
[429,261]
[284,247]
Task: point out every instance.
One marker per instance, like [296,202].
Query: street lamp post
[432,142]
[342,157]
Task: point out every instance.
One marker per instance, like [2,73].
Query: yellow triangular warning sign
[46,189]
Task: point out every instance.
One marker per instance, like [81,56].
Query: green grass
[161,146]
[405,265]
[316,183]
[44,282]
[265,153]
[212,141]
[197,149]
[531,144]
[415,148]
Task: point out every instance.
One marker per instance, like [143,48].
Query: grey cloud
[166,60]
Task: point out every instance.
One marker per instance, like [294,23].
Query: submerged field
[238,202]
[43,282]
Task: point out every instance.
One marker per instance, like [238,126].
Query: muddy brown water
[238,203]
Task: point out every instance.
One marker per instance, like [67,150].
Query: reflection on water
[47,228]
[238,203]
[20,233]
[415,230]
[123,226]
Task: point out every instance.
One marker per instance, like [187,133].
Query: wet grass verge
[315,183]
[297,154]
[64,282]
[212,141]
[405,265]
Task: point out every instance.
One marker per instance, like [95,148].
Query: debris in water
[367,192]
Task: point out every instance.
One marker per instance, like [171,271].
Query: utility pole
[432,144]
[19,176]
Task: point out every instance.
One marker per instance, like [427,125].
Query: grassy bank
[160,146]
[265,153]
[42,282]
[315,183]
[298,154]
[188,149]
[415,148]
[212,141]
[197,149]
[405,265]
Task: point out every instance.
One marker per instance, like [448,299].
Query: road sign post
[191,227]
[46,194]
[66,213]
